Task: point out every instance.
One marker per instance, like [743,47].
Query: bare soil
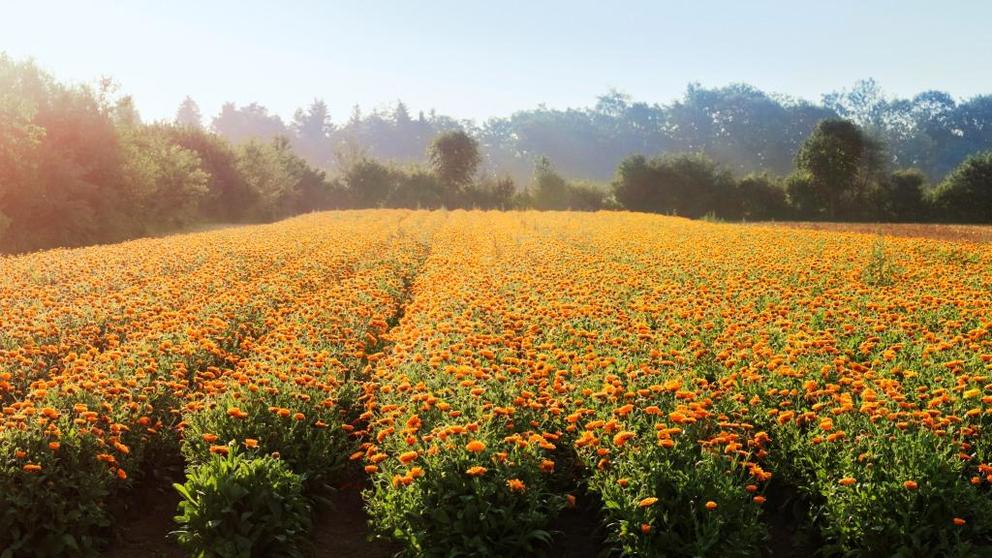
[958,233]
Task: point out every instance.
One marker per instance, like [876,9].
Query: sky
[477,59]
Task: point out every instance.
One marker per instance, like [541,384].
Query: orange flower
[847,481]
[237,413]
[649,501]
[570,500]
[121,474]
[645,528]
[251,443]
[299,416]
[32,468]
[220,450]
[516,485]
[476,471]
[475,446]
[711,505]
[623,437]
[209,438]
[958,521]
[910,485]
[369,469]
[759,499]
[20,454]
[407,457]
[54,446]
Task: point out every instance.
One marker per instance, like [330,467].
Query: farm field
[958,233]
[486,378]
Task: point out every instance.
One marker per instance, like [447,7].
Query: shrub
[760,197]
[304,428]
[690,185]
[235,506]
[52,501]
[465,501]
[966,194]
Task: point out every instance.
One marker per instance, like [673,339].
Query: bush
[759,198]
[303,426]
[902,196]
[688,185]
[464,501]
[235,506]
[966,194]
[52,501]
[369,183]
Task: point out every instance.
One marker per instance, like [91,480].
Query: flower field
[710,389]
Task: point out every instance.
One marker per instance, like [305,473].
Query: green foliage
[369,182]
[966,194]
[436,509]
[759,197]
[455,158]
[843,163]
[493,193]
[164,181]
[315,446]
[550,190]
[77,166]
[60,510]
[688,185]
[902,196]
[240,507]
[880,271]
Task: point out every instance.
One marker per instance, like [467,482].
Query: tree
[312,132]
[229,198]
[369,183]
[966,194]
[760,197]
[842,163]
[189,114]
[455,158]
[550,191]
[903,196]
[251,122]
[690,185]
[165,182]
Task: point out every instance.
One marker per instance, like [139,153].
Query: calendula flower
[516,485]
[476,471]
[475,446]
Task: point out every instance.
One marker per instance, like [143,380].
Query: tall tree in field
[843,163]
[189,114]
[455,158]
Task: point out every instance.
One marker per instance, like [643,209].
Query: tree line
[739,126]
[78,166]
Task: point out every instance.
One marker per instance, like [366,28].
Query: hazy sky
[474,59]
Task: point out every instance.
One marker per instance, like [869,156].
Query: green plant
[52,503]
[881,271]
[235,506]
[302,425]
[458,502]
